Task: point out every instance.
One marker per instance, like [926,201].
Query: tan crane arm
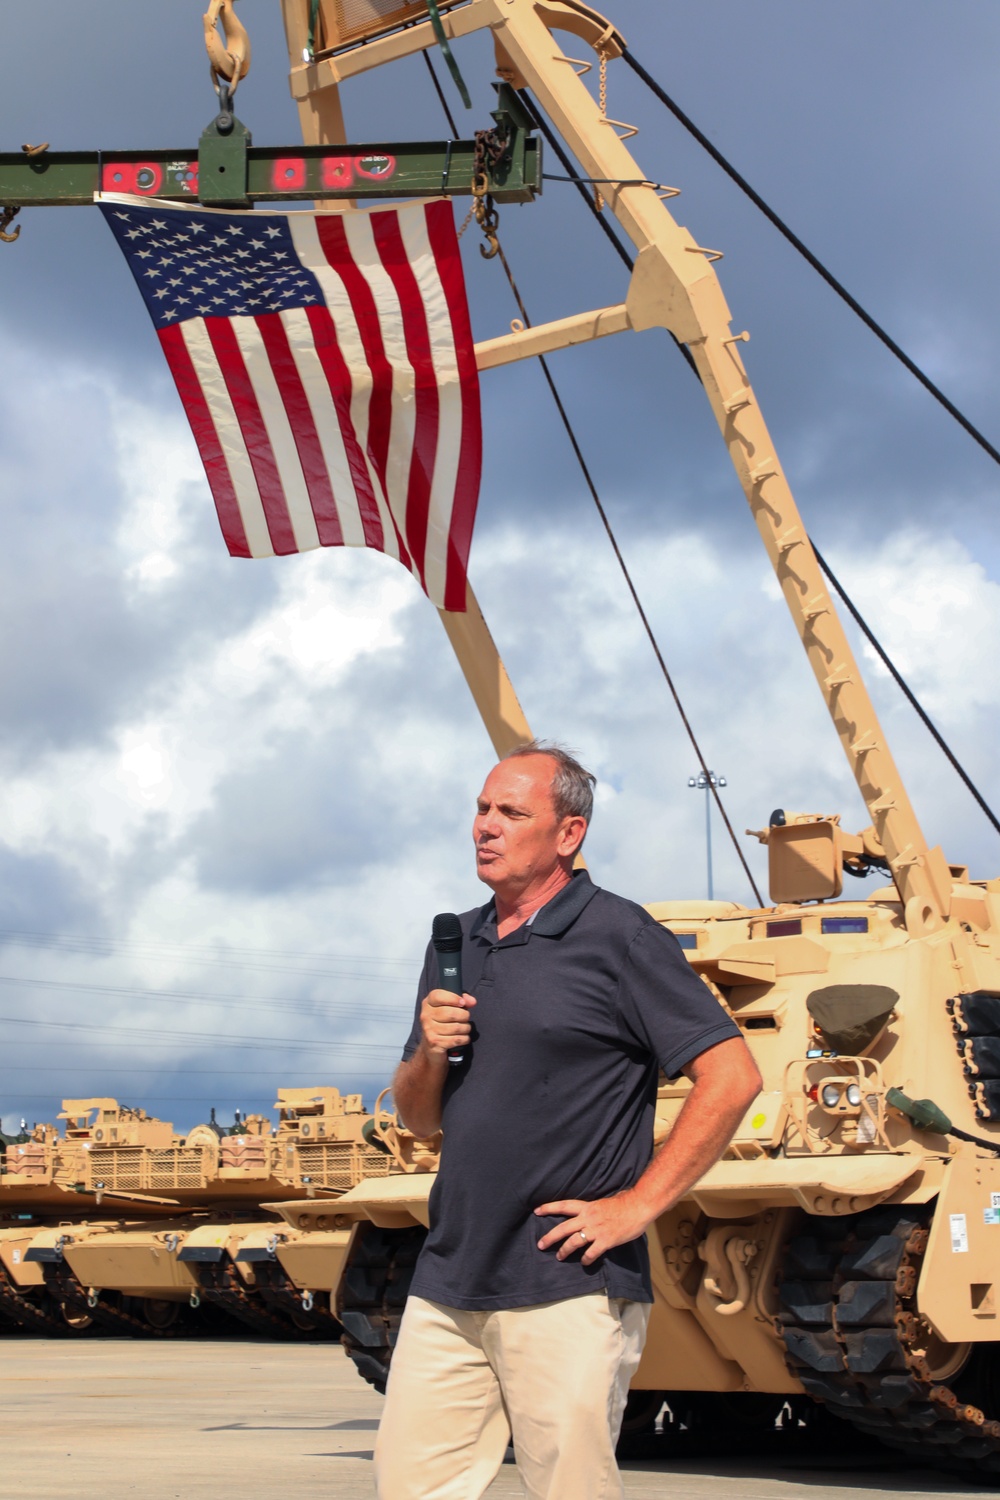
[674,285]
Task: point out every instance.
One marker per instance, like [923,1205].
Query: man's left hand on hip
[594,1227]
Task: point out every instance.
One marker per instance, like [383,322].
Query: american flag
[326,365]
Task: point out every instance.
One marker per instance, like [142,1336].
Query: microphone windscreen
[446,932]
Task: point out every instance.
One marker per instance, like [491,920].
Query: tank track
[373,1293]
[41,1316]
[65,1288]
[222,1285]
[276,1290]
[854,1338]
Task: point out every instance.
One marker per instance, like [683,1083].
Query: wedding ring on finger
[583,1235]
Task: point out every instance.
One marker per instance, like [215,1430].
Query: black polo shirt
[575,1013]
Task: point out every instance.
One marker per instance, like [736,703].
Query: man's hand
[445,1027]
[726,1082]
[606,1222]
[445,1022]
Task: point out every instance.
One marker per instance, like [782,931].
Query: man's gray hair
[572,785]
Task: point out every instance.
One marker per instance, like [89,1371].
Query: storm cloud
[234,794]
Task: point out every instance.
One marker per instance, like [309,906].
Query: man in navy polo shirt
[530,1300]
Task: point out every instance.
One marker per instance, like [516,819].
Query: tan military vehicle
[846,1249]
[187,1205]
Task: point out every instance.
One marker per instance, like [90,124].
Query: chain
[490,148]
[602,92]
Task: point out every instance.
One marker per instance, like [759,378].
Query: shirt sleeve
[423,988]
[664,1006]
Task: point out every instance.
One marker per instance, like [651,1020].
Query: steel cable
[808,255]
[838,588]
[906,691]
[588,480]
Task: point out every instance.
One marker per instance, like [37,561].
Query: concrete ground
[105,1419]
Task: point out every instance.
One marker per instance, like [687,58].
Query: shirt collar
[551,920]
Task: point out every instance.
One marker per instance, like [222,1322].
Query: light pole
[704,782]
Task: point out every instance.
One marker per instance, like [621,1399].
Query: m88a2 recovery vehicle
[846,1250]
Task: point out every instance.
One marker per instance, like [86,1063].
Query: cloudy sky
[234,794]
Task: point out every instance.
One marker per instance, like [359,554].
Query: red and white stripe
[352,424]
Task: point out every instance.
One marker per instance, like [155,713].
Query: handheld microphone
[446,935]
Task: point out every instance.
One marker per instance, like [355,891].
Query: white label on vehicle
[959,1234]
[995,1200]
[16,1256]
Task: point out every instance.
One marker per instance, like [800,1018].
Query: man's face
[518,837]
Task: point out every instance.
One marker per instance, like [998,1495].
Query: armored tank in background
[115,1220]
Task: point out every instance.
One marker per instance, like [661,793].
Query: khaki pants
[555,1377]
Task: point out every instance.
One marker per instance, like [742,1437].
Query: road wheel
[74,1319]
[160,1314]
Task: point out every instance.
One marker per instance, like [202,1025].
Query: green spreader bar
[228,171]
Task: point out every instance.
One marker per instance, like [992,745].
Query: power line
[155,1073]
[139,1072]
[211,1099]
[253,1043]
[223,1002]
[107,947]
[181,1044]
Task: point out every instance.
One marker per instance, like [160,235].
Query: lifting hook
[485,213]
[230,59]
[7,216]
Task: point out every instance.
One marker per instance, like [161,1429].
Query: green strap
[446,51]
[925,1114]
[442,41]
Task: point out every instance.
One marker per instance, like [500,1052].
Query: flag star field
[326,365]
[185,266]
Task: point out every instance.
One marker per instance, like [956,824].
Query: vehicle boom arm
[674,285]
